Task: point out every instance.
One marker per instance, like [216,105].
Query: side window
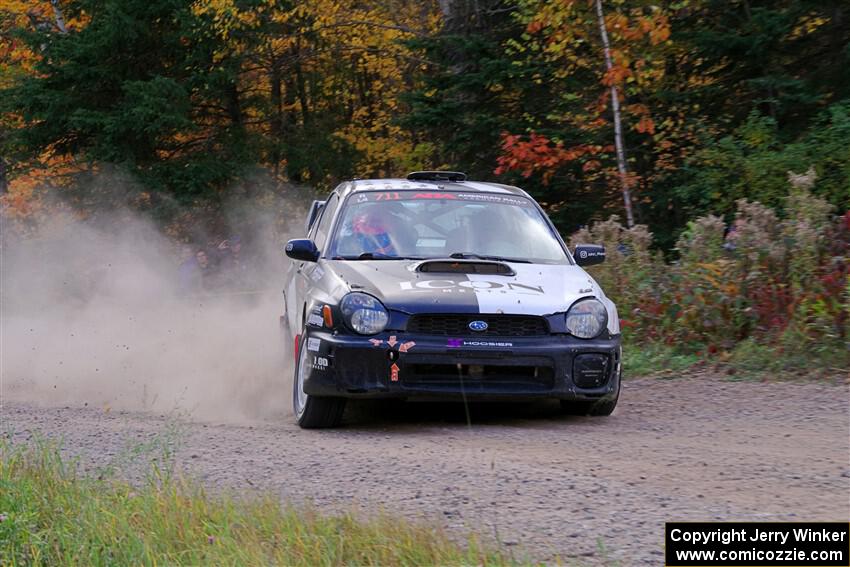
[314,213]
[324,224]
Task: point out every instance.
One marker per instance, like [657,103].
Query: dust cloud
[96,314]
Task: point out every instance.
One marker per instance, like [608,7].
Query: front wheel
[600,407]
[312,412]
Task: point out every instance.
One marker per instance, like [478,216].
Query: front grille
[473,378]
[451,325]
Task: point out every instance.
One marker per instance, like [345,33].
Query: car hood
[534,289]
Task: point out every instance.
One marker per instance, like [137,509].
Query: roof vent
[453,176]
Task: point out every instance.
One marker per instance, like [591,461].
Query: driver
[373,232]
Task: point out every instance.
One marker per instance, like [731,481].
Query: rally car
[435,287]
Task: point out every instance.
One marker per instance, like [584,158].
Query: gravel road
[546,486]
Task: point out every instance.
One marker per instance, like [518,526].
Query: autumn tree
[471,91]
[755,89]
[717,100]
[138,85]
[608,60]
[22,173]
[325,79]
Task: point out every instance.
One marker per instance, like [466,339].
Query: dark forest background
[719,100]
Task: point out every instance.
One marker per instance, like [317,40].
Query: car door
[304,275]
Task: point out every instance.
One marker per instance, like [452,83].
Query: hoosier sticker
[457,343]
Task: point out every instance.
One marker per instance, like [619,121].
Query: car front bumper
[424,367]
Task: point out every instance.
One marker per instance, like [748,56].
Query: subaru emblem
[478,326]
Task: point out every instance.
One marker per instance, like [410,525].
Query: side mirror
[302,249]
[589,254]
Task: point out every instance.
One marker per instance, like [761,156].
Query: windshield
[418,225]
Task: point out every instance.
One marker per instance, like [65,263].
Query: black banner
[757,544]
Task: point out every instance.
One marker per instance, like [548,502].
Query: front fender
[613,316]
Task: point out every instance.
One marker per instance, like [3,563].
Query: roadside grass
[790,360]
[655,358]
[749,360]
[50,514]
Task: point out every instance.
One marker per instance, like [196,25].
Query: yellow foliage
[719,275]
[356,49]
[564,30]
[807,24]
[25,200]
[353,53]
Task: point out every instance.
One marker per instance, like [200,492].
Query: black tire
[601,407]
[312,412]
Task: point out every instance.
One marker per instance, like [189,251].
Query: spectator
[730,242]
[232,270]
[193,273]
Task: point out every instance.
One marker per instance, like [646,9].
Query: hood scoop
[465,267]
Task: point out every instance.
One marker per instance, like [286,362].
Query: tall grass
[765,293]
[50,514]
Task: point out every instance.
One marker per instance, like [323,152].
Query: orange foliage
[15,56]
[562,32]
[539,154]
[616,75]
[26,200]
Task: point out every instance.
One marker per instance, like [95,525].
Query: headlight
[587,318]
[363,313]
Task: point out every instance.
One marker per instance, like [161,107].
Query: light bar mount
[452,176]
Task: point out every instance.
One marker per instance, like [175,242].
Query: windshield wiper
[467,255]
[376,256]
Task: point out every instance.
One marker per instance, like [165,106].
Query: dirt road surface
[543,485]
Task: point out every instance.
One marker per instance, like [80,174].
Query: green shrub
[780,283]
[630,272]
[752,163]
